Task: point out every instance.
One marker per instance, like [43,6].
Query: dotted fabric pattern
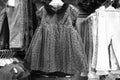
[56,44]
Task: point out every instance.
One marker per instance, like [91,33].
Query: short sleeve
[39,14]
[74,12]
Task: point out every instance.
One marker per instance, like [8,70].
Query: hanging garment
[102,44]
[15,19]
[4,30]
[88,33]
[20,23]
[56,44]
[104,27]
[112,30]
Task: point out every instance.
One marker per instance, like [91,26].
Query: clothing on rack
[104,26]
[20,18]
[56,44]
[15,19]
[88,35]
[32,21]
[14,71]
[110,22]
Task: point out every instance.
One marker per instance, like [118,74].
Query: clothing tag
[11,3]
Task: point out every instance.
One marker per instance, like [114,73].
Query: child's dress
[56,44]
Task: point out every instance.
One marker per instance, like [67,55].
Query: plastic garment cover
[56,44]
[4,30]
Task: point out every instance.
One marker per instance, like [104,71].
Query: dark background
[88,6]
[82,3]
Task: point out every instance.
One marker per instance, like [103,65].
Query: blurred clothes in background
[4,30]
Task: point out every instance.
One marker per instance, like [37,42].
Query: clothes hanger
[56,3]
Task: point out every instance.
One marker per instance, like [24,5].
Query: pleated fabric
[56,44]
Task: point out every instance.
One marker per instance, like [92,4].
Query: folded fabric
[13,71]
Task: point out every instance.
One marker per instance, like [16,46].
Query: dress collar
[52,12]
